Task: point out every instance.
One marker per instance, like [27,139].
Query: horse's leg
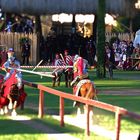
[69,79]
[79,111]
[1,111]
[90,109]
[14,113]
[91,113]
[5,110]
[10,105]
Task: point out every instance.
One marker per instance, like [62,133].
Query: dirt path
[121,92]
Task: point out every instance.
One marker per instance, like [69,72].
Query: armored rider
[12,62]
[80,69]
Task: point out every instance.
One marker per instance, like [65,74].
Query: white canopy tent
[137,39]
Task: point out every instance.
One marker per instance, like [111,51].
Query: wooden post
[61,111]
[117,124]
[41,104]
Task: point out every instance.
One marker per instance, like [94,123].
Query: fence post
[117,124]
[41,104]
[61,111]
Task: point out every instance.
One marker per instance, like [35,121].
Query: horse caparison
[14,92]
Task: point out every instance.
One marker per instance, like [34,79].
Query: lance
[46,74]
[63,58]
[37,65]
[64,61]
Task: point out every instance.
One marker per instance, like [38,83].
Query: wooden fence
[119,112]
[8,40]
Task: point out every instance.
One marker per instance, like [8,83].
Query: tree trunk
[101,39]
[95,28]
[38,30]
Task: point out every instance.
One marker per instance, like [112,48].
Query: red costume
[80,68]
[80,71]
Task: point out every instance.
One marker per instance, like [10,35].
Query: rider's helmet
[75,57]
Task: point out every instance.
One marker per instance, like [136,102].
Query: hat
[10,50]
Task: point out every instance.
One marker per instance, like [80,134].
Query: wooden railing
[62,95]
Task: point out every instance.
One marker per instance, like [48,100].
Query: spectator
[110,59]
[25,52]
[129,50]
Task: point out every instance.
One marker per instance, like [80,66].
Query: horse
[10,96]
[85,88]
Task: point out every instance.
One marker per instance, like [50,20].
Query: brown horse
[86,89]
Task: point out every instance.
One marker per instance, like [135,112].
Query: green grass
[122,80]
[10,129]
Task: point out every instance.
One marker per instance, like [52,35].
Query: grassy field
[122,80]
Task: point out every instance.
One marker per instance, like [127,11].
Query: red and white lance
[50,67]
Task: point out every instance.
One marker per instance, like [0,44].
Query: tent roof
[43,7]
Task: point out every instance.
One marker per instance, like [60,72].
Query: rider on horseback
[12,62]
[80,69]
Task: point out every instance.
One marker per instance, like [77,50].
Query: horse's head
[14,92]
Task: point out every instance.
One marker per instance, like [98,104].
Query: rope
[52,67]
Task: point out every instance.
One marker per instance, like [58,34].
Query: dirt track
[121,92]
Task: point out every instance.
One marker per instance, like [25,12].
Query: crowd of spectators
[125,55]
[19,24]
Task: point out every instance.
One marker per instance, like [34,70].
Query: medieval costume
[15,64]
[80,69]
[58,71]
[68,72]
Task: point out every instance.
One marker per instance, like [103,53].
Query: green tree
[101,39]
